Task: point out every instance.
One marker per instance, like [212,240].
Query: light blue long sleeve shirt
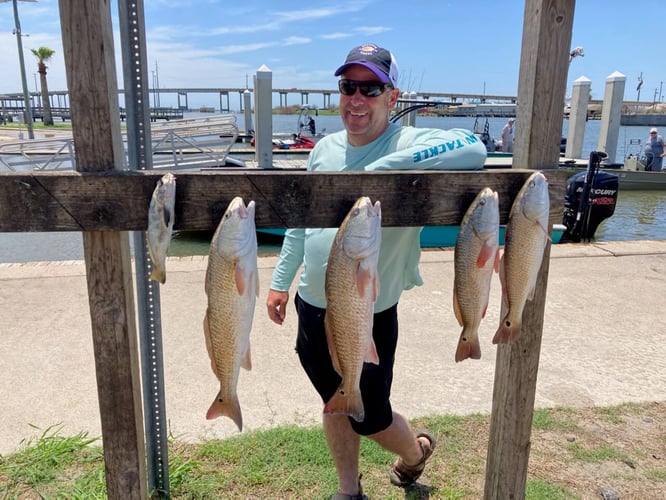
[398,148]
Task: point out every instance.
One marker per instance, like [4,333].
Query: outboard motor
[590,198]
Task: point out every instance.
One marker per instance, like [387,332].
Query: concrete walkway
[603,344]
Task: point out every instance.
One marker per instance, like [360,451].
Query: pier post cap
[582,80]
[263,71]
[616,76]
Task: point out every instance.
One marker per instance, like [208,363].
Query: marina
[105,202]
[285,124]
[202,140]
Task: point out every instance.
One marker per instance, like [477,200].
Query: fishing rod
[414,107]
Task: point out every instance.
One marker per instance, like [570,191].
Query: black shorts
[376,380]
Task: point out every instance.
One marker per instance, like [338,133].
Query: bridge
[59,99]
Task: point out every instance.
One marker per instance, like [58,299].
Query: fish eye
[482,202]
[356,211]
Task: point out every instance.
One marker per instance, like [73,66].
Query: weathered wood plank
[119,200]
[91,79]
[544,65]
[547,29]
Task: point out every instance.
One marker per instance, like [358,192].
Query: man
[507,136]
[368,91]
[654,151]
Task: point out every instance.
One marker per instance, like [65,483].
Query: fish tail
[229,408]
[158,274]
[346,404]
[468,346]
[507,331]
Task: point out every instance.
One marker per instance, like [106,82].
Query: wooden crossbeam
[119,200]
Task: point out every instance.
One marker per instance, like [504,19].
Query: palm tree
[43,54]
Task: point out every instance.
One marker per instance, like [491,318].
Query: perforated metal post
[139,148]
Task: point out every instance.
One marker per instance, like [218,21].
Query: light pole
[24,82]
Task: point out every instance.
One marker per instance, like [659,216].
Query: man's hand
[277,305]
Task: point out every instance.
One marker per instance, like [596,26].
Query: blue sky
[441,46]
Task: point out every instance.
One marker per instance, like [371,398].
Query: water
[333,123]
[639,215]
[57,246]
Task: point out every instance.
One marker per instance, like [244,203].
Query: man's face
[365,118]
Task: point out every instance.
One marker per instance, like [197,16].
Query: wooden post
[91,80]
[544,64]
[547,28]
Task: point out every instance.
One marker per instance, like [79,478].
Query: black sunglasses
[367,88]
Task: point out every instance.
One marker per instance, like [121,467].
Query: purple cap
[380,61]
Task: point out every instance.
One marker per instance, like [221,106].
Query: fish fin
[468,346]
[544,228]
[206,279]
[371,356]
[456,308]
[508,331]
[485,254]
[502,277]
[231,409]
[330,340]
[239,278]
[246,360]
[209,344]
[346,404]
[530,296]
[496,266]
[375,284]
[365,278]
[167,216]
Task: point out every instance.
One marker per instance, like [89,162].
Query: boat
[437,236]
[296,141]
[446,236]
[590,198]
[493,145]
[632,174]
[305,137]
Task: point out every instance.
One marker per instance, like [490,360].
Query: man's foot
[358,496]
[402,474]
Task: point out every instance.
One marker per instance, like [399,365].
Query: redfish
[352,287]
[525,241]
[476,256]
[160,225]
[232,285]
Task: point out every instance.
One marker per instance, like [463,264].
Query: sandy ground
[602,345]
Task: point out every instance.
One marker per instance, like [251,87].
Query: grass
[38,126]
[575,453]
